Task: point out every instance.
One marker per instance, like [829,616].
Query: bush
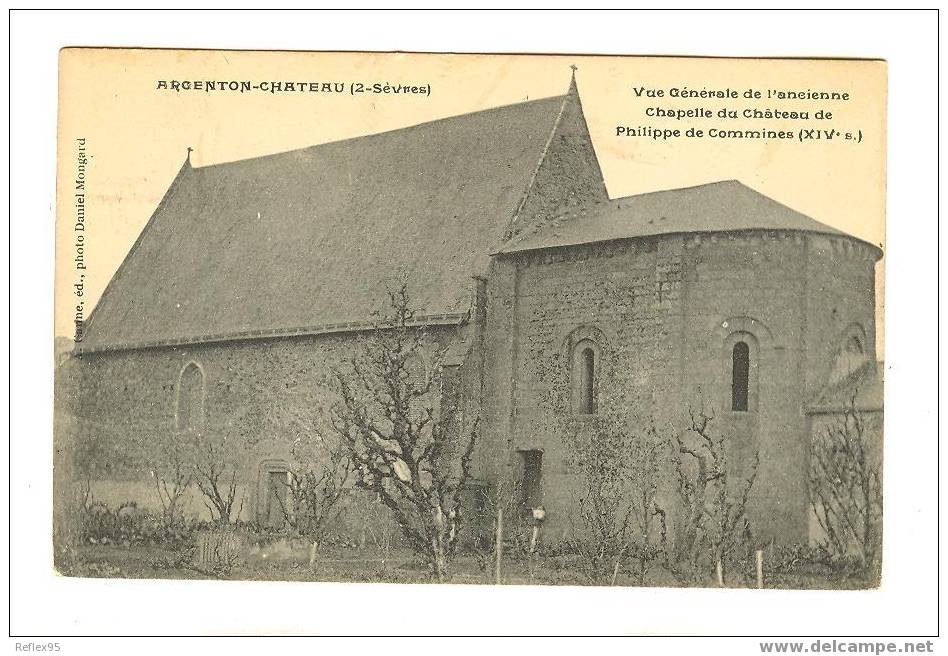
[802,565]
[127,526]
[79,568]
[794,558]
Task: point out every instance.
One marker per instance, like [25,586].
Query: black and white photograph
[553,328]
[446,352]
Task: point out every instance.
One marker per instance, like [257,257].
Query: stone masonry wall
[660,309]
[753,284]
[663,310]
[627,296]
[260,394]
[840,293]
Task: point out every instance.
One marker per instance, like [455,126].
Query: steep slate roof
[718,206]
[281,243]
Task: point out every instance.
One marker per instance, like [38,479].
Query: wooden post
[498,544]
[313,548]
[760,569]
[531,554]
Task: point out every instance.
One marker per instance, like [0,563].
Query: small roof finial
[189,154]
[572,79]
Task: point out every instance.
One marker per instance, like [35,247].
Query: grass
[352,564]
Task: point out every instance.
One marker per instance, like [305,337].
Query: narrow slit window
[587,379]
[740,376]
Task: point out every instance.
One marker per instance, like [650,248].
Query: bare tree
[215,473]
[316,486]
[619,514]
[412,453]
[714,513]
[845,485]
[377,527]
[173,473]
[320,467]
[649,462]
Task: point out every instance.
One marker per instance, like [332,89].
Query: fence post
[760,569]
[498,543]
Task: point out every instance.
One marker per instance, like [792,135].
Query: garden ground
[283,561]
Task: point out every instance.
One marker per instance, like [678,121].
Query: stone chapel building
[255,275]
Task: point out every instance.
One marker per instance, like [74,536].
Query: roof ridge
[404,128]
[685,188]
[543,154]
[735,181]
[613,220]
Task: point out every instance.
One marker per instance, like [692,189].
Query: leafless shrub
[845,485]
[180,557]
[713,508]
[215,473]
[73,524]
[618,516]
[316,486]
[173,473]
[94,451]
[377,529]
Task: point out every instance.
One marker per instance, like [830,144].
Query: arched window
[850,354]
[586,352]
[190,412]
[740,376]
[745,344]
[587,381]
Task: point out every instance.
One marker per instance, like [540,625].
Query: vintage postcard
[486,319]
